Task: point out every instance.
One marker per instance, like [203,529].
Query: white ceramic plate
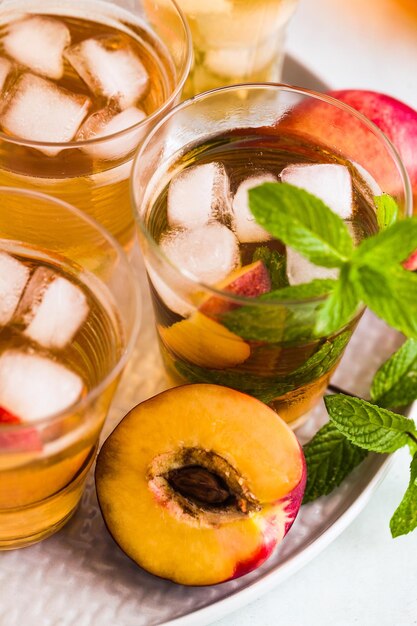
[80,578]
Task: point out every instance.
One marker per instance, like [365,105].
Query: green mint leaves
[330,458]
[369,274]
[368,426]
[357,426]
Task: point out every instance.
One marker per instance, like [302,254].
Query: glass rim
[141,152]
[67,145]
[95,391]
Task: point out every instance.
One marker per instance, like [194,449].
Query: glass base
[295,406]
[24,526]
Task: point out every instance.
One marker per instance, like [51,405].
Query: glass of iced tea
[81,84]
[213,270]
[236,41]
[69,315]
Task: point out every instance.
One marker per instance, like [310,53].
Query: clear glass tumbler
[208,260]
[84,82]
[69,316]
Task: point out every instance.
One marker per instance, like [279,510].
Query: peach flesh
[199,544]
[249,281]
[204,342]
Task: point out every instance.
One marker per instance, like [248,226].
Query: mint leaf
[330,458]
[368,426]
[277,322]
[388,247]
[395,383]
[275,263]
[404,519]
[322,360]
[303,222]
[386,210]
[391,293]
[341,306]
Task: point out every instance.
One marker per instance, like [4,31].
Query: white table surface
[365,577]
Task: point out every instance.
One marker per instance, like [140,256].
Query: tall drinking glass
[69,315]
[211,267]
[82,83]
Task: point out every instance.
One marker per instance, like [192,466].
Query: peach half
[204,342]
[200,483]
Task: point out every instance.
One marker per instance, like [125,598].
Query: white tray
[79,577]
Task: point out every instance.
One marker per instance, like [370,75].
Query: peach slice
[200,483]
[249,281]
[204,342]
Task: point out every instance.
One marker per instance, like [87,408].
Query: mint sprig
[368,427]
[370,274]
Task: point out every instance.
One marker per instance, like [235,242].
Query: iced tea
[217,277]
[65,331]
[74,74]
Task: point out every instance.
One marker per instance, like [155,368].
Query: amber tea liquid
[96,182]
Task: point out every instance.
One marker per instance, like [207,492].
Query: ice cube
[38,42]
[245,226]
[13,278]
[33,387]
[110,68]
[52,308]
[197,195]
[38,110]
[208,253]
[301,270]
[5,67]
[171,296]
[330,182]
[107,122]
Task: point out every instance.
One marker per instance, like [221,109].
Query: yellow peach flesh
[204,342]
